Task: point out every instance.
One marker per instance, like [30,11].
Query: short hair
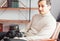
[48,2]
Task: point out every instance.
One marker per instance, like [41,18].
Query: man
[42,25]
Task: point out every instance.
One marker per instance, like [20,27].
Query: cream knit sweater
[41,27]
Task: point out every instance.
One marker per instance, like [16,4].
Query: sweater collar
[46,14]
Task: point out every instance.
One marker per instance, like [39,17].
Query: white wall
[55,8]
[14,14]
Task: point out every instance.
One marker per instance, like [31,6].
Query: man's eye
[39,6]
[42,6]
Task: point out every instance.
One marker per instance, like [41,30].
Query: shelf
[14,21]
[18,8]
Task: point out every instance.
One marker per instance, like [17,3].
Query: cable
[3,11]
[29,9]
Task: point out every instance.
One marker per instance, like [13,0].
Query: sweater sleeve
[28,25]
[26,28]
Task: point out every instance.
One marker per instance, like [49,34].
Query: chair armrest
[44,40]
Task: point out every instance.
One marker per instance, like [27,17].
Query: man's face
[43,7]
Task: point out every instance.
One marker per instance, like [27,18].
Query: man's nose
[40,8]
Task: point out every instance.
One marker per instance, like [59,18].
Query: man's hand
[21,38]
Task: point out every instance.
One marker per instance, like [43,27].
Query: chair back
[57,30]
